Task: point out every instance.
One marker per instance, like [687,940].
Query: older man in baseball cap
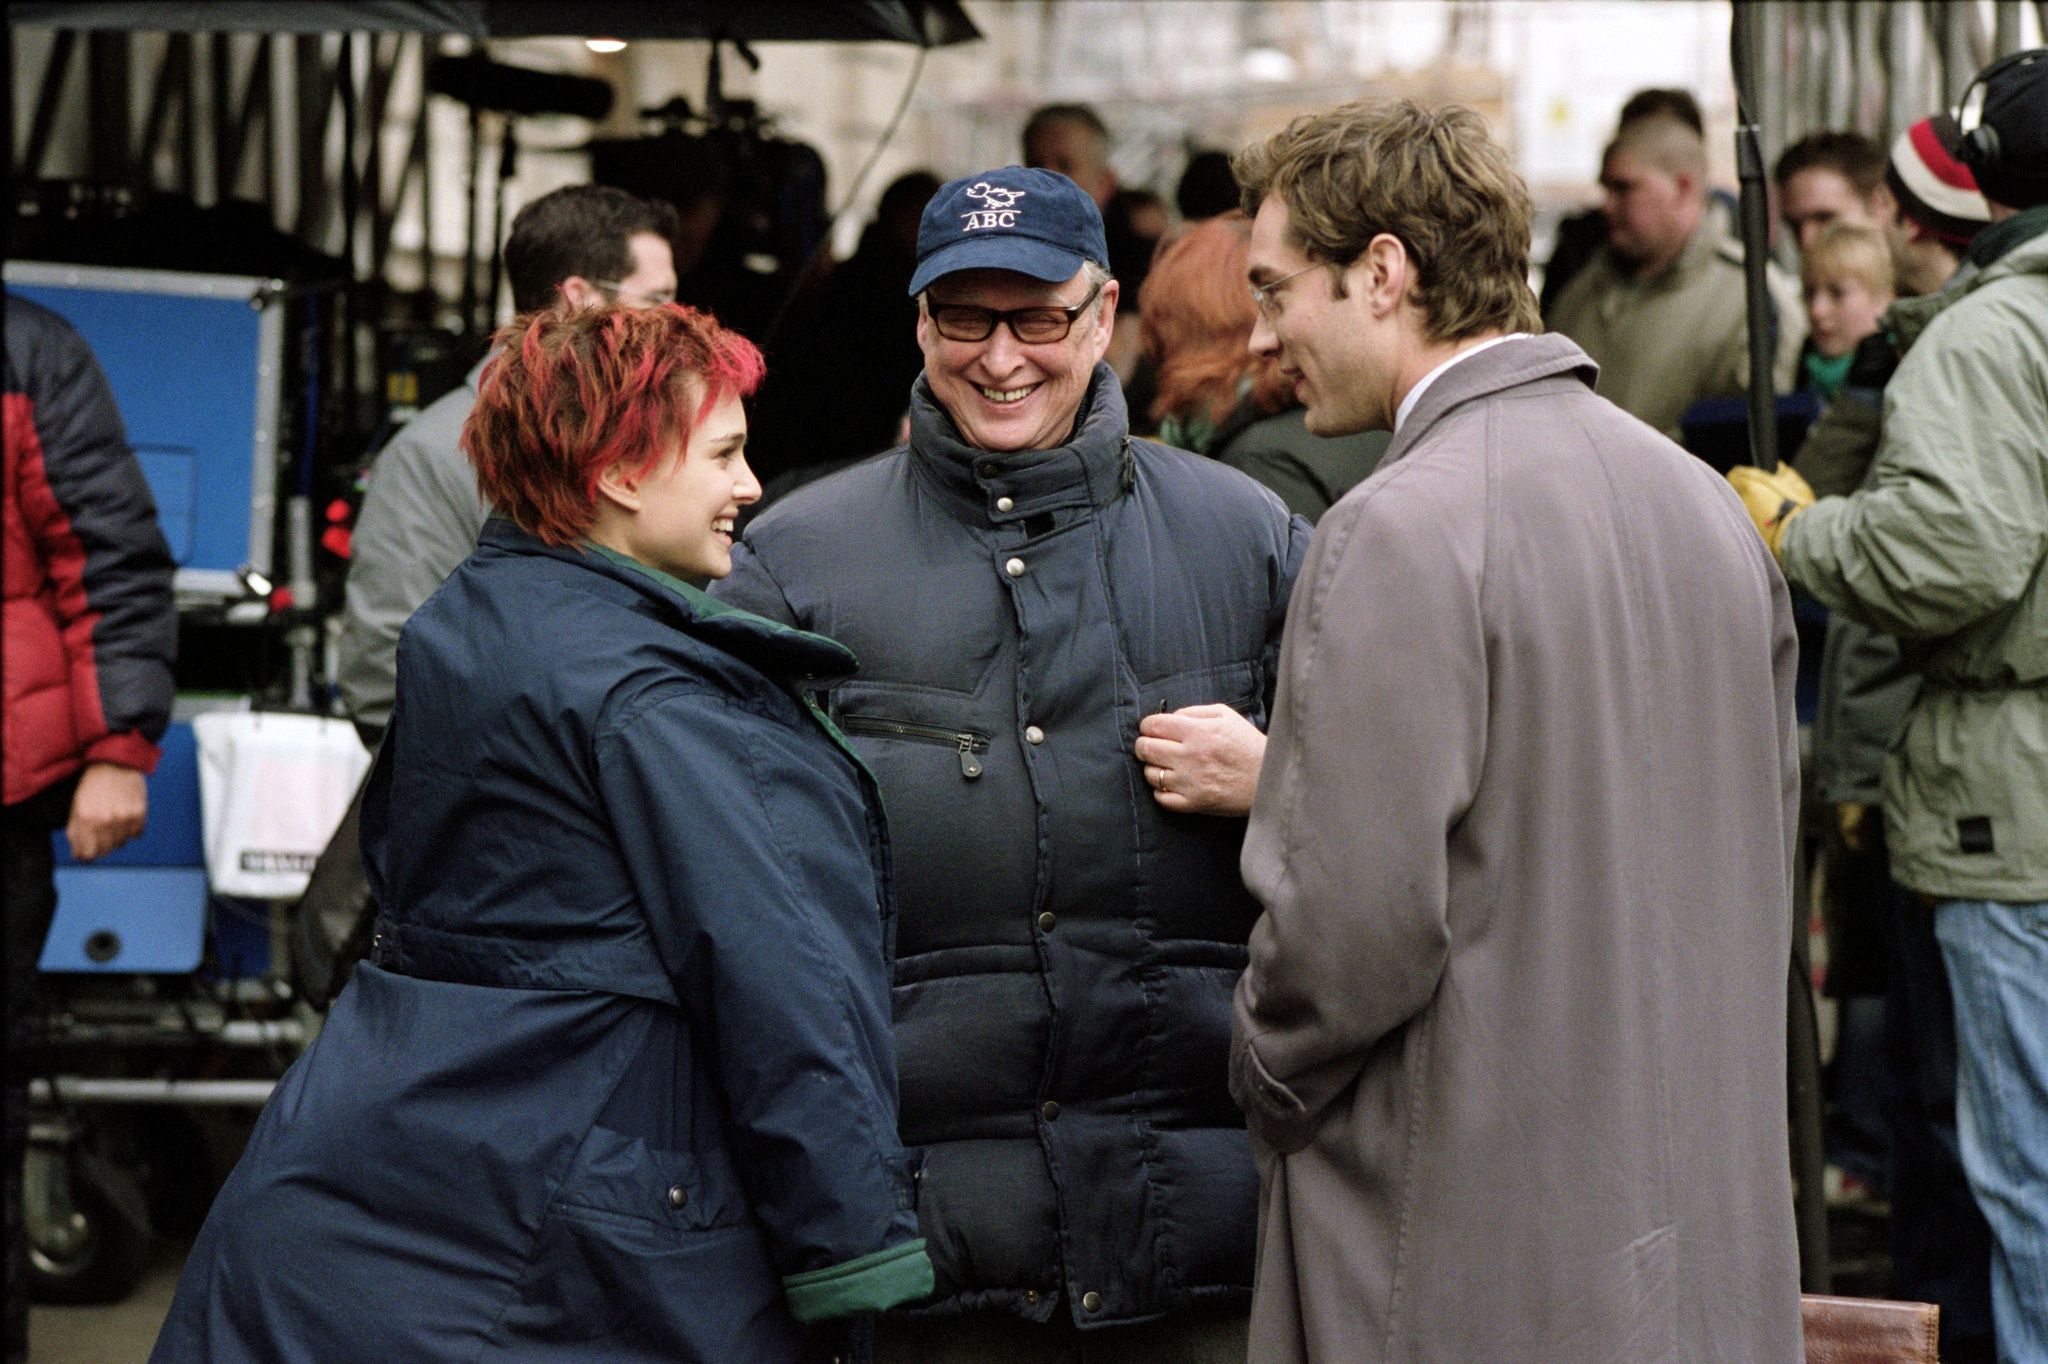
[1023,582]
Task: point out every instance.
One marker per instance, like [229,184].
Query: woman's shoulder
[574,622]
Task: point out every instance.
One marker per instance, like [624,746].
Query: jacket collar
[780,651]
[2019,245]
[1493,370]
[1999,240]
[1092,469]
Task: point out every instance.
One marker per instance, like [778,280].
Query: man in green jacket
[1945,546]
[1895,1075]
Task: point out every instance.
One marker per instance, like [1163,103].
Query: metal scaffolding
[1878,68]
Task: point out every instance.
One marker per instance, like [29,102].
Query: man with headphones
[1946,546]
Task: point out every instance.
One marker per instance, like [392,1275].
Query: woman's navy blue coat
[618,1083]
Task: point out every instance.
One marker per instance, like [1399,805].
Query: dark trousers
[1941,1246]
[1859,909]
[1202,1335]
[31,898]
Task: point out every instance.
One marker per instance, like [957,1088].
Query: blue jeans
[1997,957]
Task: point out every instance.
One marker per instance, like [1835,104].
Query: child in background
[1849,280]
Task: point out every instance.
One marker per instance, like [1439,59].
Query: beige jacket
[1664,343]
[1512,1038]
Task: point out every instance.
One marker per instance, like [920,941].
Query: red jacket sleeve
[89,518]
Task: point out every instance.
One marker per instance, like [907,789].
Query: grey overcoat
[1512,1039]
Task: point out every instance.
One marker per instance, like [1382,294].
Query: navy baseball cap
[1035,222]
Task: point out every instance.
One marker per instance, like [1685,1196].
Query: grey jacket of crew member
[420,518]
[1512,1038]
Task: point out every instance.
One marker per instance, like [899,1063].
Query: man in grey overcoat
[1511,1040]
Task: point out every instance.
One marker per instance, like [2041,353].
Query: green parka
[1945,548]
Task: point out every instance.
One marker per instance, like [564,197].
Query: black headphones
[1980,150]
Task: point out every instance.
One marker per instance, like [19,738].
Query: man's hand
[1202,760]
[109,808]
[1772,500]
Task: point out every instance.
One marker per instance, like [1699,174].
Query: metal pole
[1802,1039]
[210,1093]
[1756,233]
[508,166]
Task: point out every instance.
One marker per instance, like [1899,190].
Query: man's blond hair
[1861,251]
[1432,178]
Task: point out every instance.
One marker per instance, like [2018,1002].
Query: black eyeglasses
[1032,326]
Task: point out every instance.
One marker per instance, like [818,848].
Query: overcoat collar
[1497,368]
[1091,469]
[780,651]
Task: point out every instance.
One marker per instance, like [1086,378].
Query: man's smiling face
[1002,393]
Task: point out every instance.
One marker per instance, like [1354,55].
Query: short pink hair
[570,393]
[1195,321]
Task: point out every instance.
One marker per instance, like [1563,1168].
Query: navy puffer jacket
[1066,948]
[618,1083]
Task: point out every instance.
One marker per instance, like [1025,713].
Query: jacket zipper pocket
[969,744]
[1243,705]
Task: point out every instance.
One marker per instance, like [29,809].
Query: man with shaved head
[1661,307]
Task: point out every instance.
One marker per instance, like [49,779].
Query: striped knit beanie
[1933,187]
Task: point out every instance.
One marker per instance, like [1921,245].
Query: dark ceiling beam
[313,89]
[108,107]
[49,97]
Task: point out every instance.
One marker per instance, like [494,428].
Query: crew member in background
[1832,177]
[1940,1246]
[90,631]
[1944,546]
[1661,307]
[1073,140]
[583,244]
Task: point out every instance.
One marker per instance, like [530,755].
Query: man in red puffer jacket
[90,628]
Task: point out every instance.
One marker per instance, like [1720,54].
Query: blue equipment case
[196,364]
[142,908]
[132,920]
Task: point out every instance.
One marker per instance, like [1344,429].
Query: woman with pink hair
[1214,397]
[617,1081]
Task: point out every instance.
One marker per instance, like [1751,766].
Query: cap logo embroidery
[1001,210]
